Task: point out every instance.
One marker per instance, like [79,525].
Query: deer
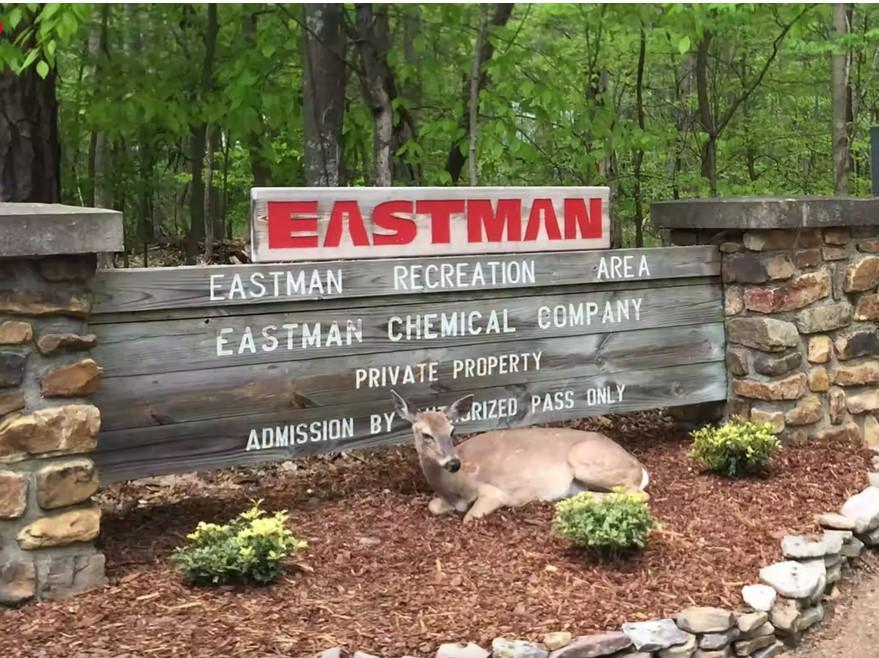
[513,467]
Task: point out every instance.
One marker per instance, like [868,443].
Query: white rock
[654,635]
[873,479]
[504,648]
[798,547]
[749,622]
[871,538]
[684,650]
[759,597]
[863,509]
[458,650]
[557,640]
[795,580]
[835,521]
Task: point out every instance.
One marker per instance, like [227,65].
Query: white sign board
[336,223]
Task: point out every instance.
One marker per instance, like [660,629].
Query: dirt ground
[382,575]
[851,630]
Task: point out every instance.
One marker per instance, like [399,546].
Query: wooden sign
[206,367]
[329,223]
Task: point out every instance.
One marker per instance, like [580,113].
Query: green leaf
[42,68]
[684,45]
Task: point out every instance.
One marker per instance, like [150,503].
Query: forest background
[172,112]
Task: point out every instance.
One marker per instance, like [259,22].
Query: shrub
[251,547]
[736,448]
[610,523]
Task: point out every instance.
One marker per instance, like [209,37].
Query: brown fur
[516,466]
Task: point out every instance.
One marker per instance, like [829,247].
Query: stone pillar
[799,280]
[47,427]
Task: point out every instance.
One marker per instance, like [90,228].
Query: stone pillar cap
[47,229]
[766,212]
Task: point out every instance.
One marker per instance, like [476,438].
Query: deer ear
[403,408]
[459,407]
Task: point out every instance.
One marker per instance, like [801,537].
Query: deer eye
[427,436]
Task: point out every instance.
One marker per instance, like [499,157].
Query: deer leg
[440,506]
[489,500]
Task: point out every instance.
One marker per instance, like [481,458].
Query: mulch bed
[383,575]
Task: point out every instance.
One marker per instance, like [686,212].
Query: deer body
[509,468]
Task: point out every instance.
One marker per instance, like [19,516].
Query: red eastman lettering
[356,228]
[289,217]
[576,216]
[480,213]
[542,208]
[386,216]
[440,212]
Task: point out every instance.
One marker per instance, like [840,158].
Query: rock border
[775,613]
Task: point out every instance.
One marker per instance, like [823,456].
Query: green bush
[251,547]
[736,448]
[611,523]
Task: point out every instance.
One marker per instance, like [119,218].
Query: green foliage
[251,547]
[611,524]
[559,106]
[37,30]
[736,448]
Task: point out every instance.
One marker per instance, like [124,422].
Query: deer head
[433,430]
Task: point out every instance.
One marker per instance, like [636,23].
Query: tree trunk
[209,179]
[260,167]
[374,43]
[839,102]
[197,134]
[99,148]
[638,157]
[708,151]
[473,100]
[224,199]
[456,159]
[323,91]
[30,154]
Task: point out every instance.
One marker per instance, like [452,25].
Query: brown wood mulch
[383,575]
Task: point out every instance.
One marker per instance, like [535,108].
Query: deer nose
[453,465]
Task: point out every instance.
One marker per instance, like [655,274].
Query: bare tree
[99,148]
[372,33]
[638,157]
[455,160]
[714,121]
[323,88]
[197,217]
[839,100]
[473,100]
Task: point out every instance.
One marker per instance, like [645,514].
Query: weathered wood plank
[171,346]
[186,396]
[387,301]
[149,289]
[132,453]
[532,219]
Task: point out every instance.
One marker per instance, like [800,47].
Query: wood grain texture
[457,241]
[151,289]
[131,453]
[199,395]
[137,348]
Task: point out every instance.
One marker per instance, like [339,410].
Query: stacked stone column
[799,284]
[48,522]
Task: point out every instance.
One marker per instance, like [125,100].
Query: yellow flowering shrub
[251,547]
[610,524]
[736,448]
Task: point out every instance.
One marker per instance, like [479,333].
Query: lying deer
[513,467]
